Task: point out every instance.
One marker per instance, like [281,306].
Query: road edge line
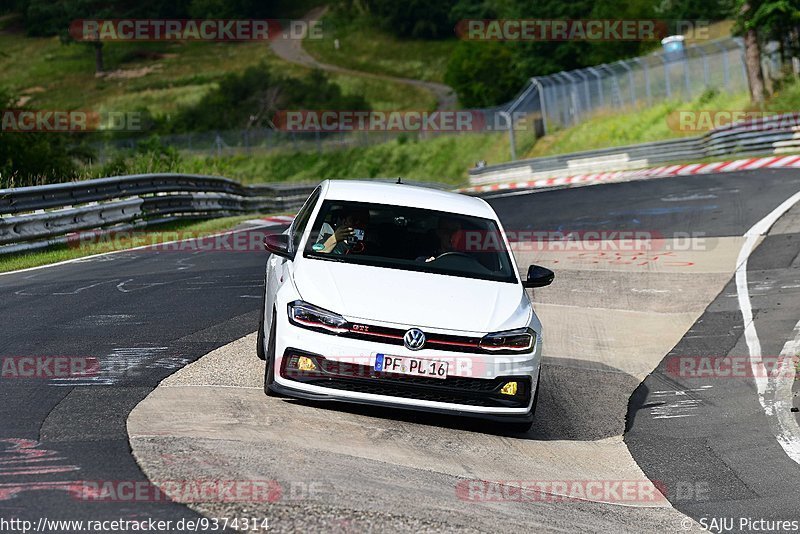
[786,430]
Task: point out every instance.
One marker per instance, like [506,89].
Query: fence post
[744,64]
[566,112]
[630,81]
[542,107]
[599,84]
[511,142]
[565,118]
[726,68]
[551,103]
[706,77]
[667,83]
[586,91]
[646,70]
[686,82]
[574,98]
[614,84]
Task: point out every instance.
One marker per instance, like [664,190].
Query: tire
[523,428]
[269,368]
[260,342]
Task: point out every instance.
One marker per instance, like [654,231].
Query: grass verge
[443,159]
[364,47]
[618,128]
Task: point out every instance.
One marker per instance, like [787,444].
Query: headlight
[305,315]
[520,340]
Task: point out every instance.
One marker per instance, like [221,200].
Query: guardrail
[773,135]
[40,216]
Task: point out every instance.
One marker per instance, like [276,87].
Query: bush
[251,99]
[420,19]
[483,73]
[28,158]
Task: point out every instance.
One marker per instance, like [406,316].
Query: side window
[301,220]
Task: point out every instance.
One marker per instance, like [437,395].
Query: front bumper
[388,403]
[346,374]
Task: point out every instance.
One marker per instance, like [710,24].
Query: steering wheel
[454,253]
[358,248]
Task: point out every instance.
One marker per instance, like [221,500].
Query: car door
[278,267]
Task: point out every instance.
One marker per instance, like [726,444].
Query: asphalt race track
[615,404]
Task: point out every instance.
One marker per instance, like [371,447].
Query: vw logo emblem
[414,339]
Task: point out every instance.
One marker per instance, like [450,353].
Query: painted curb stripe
[771,162]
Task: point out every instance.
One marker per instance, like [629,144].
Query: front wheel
[260,340]
[269,368]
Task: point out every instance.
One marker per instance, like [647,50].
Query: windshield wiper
[338,259]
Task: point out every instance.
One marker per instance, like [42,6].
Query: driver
[347,236]
[448,234]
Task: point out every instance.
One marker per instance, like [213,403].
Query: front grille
[364,379]
[394,336]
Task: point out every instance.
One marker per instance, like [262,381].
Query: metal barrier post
[646,70]
[599,84]
[668,84]
[630,81]
[540,89]
[511,142]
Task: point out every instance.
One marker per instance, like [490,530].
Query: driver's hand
[342,233]
[339,235]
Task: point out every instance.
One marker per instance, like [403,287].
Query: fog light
[307,364]
[509,389]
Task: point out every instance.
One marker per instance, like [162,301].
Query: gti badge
[414,339]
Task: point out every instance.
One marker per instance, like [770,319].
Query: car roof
[406,195]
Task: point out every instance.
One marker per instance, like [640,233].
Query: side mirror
[538,277]
[277,244]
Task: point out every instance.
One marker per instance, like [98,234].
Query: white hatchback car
[401,296]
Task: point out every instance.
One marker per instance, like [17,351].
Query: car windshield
[413,239]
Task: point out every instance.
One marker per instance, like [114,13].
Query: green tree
[28,158]
[251,98]
[46,17]
[778,20]
[413,18]
[483,73]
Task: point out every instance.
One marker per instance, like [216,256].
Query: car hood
[412,298]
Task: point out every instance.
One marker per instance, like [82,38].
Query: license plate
[410,366]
